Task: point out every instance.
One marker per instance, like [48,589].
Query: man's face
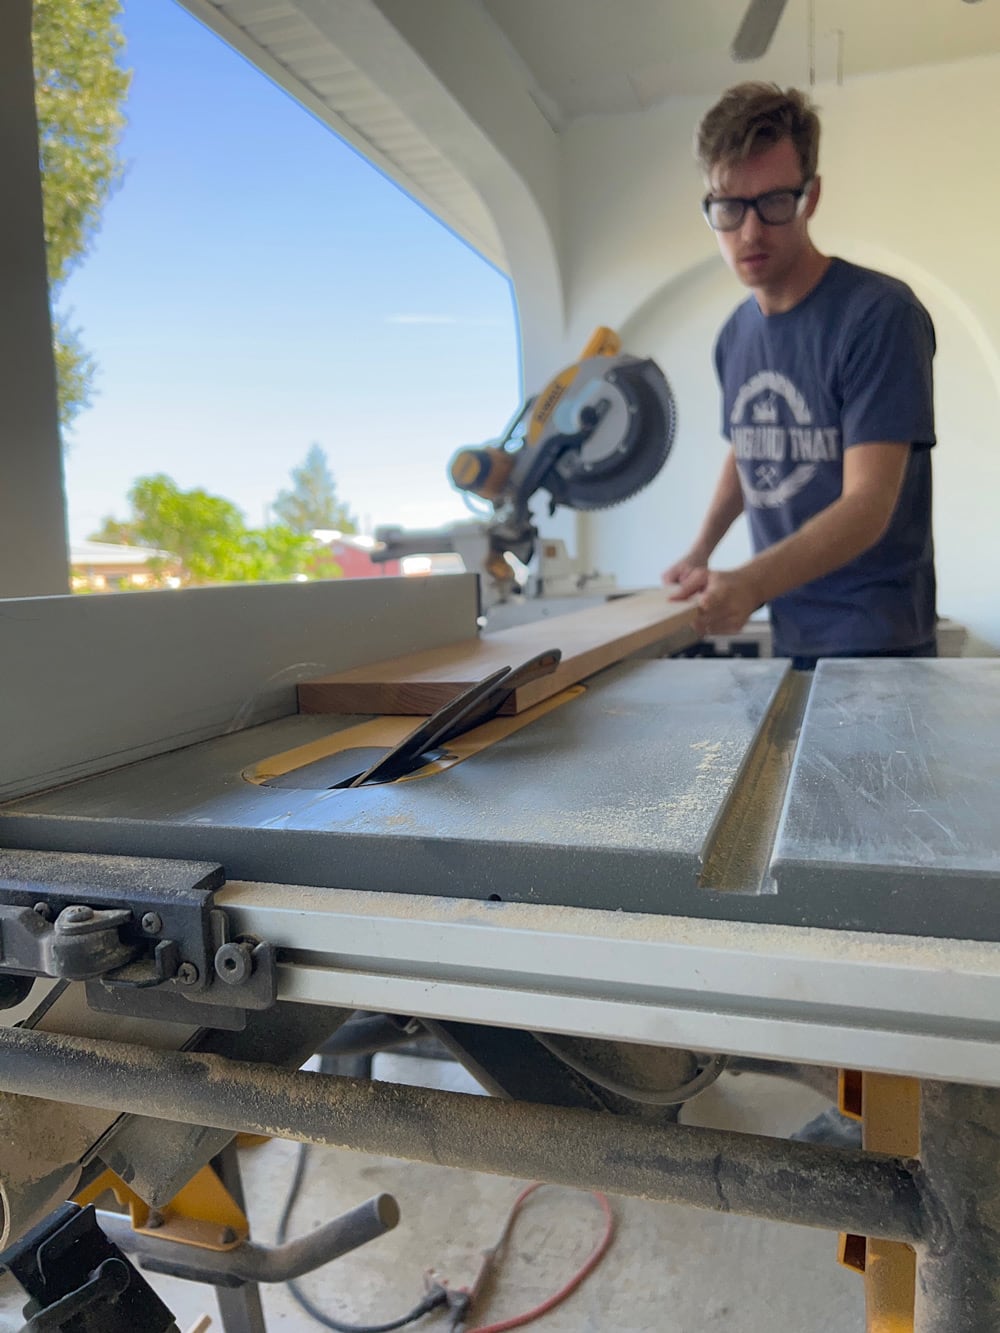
[763,255]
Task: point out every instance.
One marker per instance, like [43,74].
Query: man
[826,382]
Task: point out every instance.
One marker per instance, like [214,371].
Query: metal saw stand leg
[950,1283]
[958,1271]
[889,1110]
[240,1308]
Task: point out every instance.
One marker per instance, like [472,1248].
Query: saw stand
[73,1269]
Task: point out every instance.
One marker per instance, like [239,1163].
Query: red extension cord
[489,1258]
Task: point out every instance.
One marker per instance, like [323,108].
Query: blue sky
[256,286]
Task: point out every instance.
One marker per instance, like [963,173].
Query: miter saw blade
[636,420]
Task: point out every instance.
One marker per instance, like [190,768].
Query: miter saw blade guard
[598,433]
[626,421]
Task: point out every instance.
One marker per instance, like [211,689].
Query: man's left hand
[728,599]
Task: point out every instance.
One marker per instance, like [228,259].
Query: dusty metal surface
[891,814]
[958,1275]
[679,788]
[42,1143]
[606,802]
[805,1183]
[900,1004]
[157,1159]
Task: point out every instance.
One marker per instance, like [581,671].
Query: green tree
[275,553]
[312,501]
[80,90]
[208,535]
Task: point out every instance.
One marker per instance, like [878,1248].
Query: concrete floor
[670,1270]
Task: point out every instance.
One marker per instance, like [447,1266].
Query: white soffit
[283,42]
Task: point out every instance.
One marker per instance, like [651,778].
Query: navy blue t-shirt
[850,364]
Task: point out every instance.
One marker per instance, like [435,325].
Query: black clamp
[77,1279]
[144,934]
[79,943]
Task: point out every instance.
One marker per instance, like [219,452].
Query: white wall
[911,185]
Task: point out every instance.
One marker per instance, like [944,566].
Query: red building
[353,555]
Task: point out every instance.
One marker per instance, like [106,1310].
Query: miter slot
[736,857]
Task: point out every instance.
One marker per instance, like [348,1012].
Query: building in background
[107,567]
[352,553]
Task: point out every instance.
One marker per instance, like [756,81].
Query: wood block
[590,640]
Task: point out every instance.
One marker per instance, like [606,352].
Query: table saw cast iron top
[672,787]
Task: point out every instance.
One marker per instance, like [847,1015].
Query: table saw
[672,864]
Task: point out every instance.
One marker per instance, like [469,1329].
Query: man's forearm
[723,511]
[834,537]
[873,475]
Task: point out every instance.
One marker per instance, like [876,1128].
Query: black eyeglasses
[775,208]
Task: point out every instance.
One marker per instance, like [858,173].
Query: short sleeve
[718,358]
[886,375]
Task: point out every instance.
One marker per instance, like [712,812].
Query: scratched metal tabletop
[893,808]
[615,800]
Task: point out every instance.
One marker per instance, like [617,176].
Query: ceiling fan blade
[757,29]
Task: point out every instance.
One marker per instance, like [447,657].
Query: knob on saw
[483,471]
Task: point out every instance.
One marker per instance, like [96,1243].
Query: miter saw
[596,434]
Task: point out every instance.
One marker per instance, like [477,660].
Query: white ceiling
[617,56]
[573,58]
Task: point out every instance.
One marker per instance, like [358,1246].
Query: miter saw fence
[595,436]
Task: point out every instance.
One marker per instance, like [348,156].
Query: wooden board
[590,640]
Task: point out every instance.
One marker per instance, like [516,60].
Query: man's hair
[753,117]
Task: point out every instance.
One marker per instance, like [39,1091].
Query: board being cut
[589,640]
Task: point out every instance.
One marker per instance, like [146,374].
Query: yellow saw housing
[485,471]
